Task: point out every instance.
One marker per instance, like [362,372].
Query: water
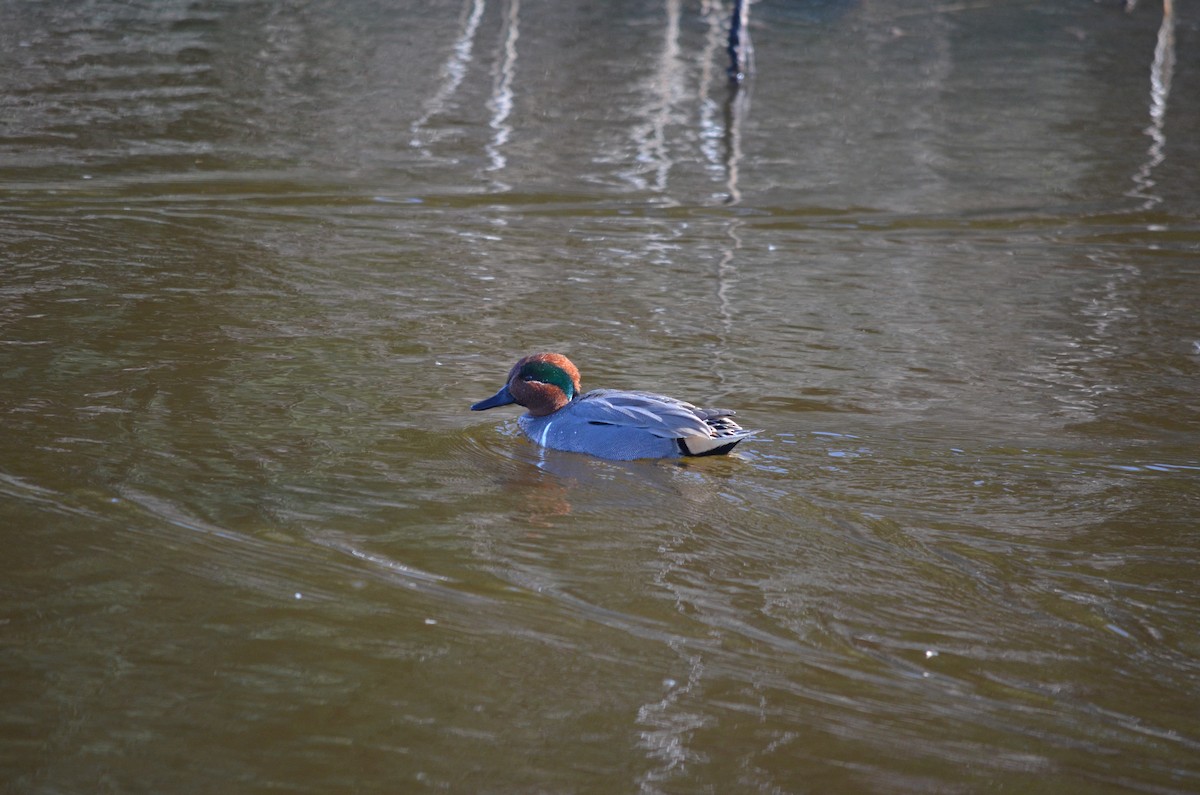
[258,260]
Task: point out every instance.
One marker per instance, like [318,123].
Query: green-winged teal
[609,423]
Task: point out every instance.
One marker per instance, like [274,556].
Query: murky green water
[257,260]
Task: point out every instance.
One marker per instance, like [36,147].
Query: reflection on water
[502,96]
[453,72]
[258,259]
[1161,72]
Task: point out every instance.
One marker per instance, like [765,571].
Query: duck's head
[542,383]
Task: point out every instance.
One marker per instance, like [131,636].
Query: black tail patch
[722,450]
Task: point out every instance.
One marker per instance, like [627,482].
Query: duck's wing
[659,415]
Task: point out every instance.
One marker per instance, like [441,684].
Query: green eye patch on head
[548,373]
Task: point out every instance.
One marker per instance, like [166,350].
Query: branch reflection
[1161,72]
[454,71]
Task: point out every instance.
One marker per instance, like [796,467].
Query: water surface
[257,260]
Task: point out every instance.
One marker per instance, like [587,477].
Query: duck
[615,424]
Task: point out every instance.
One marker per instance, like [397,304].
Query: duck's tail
[720,443]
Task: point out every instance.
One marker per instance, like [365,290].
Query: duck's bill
[501,398]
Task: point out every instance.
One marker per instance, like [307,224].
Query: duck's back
[623,425]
